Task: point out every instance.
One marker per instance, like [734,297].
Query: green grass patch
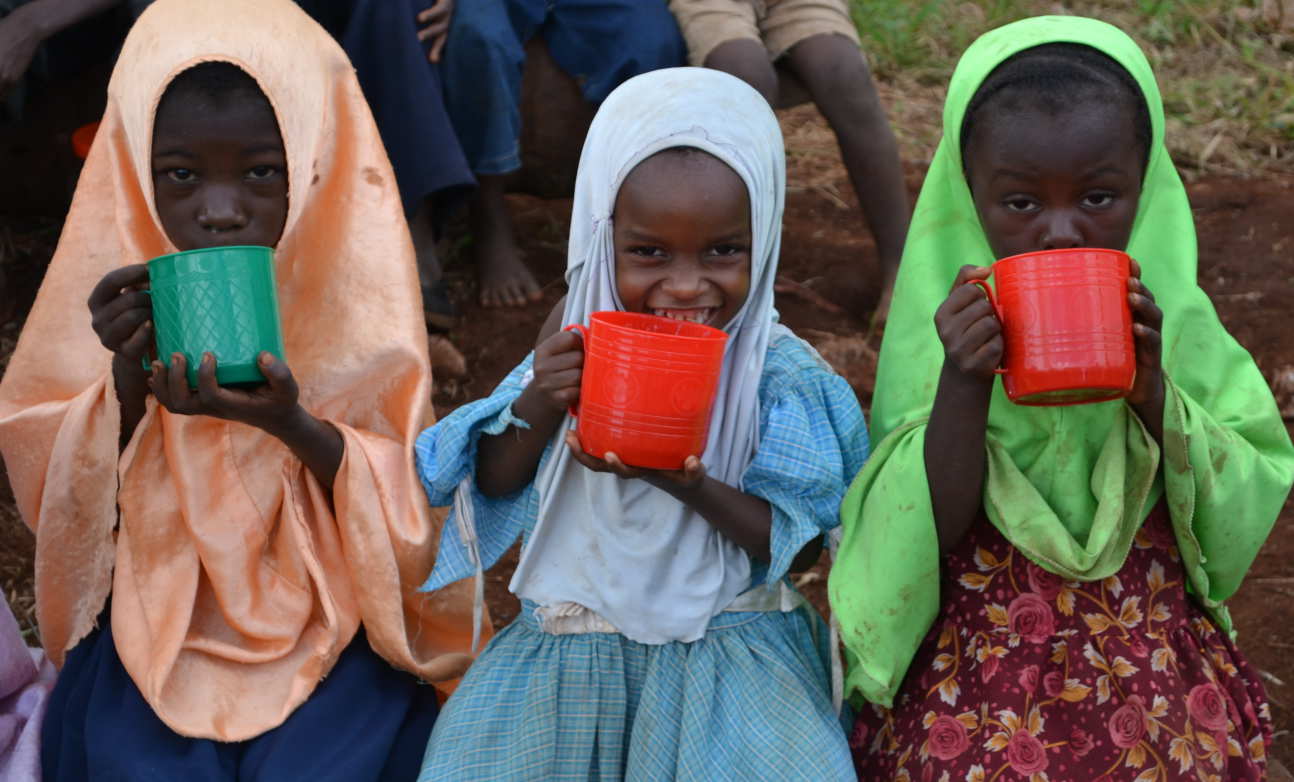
[1226,69]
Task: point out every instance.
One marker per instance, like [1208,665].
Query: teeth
[690,316]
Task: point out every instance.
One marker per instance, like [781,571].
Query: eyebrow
[1103,170]
[1007,173]
[638,236]
[264,149]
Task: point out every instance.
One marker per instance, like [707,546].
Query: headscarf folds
[1068,486]
[236,578]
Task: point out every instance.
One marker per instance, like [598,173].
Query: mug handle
[148,364]
[574,409]
[997,310]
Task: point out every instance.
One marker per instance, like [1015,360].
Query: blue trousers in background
[404,91]
[599,42]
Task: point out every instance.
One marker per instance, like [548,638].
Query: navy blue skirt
[365,721]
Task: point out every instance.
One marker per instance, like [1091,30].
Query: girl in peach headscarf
[252,542]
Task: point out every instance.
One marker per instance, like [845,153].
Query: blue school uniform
[750,700]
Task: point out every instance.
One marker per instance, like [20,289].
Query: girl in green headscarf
[1013,581]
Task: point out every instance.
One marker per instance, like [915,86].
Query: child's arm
[121,314]
[506,462]
[954,444]
[273,408]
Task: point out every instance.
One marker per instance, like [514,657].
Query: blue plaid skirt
[750,700]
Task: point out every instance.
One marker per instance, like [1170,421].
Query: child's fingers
[278,375]
[437,49]
[978,334]
[175,381]
[988,357]
[1149,344]
[432,30]
[556,362]
[967,273]
[114,333]
[208,389]
[693,470]
[1134,268]
[1145,310]
[114,281]
[138,344]
[620,468]
[580,455]
[157,383]
[436,9]
[119,304]
[563,342]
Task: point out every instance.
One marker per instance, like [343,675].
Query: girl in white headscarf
[658,637]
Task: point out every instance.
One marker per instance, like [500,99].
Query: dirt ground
[1246,265]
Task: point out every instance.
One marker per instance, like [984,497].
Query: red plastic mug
[648,388]
[1067,326]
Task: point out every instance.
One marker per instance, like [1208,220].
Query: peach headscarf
[238,579]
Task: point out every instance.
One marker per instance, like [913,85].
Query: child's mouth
[693,315]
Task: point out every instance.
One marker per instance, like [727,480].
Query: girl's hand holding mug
[121,313]
[272,407]
[969,328]
[1147,323]
[558,368]
[686,479]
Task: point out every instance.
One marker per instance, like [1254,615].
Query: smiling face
[1051,180]
[219,169]
[682,238]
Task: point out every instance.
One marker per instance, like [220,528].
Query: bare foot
[446,360]
[504,279]
[437,308]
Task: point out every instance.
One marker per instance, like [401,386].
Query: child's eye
[1098,200]
[181,175]
[262,172]
[727,250]
[1020,204]
[646,251]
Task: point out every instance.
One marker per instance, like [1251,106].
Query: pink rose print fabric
[1026,676]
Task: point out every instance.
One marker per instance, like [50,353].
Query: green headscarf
[1068,486]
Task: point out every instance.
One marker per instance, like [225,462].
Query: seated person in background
[25,27]
[598,42]
[395,46]
[817,42]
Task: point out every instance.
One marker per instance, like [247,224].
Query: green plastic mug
[218,300]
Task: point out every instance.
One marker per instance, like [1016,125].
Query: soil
[830,270]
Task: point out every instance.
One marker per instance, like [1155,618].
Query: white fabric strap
[465,517]
[569,618]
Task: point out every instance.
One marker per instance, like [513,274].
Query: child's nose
[1061,231]
[684,284]
[221,210]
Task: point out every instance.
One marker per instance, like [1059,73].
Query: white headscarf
[642,560]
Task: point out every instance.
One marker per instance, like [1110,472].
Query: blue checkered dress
[750,700]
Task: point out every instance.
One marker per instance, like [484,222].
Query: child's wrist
[292,426]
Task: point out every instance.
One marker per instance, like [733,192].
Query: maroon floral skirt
[1026,676]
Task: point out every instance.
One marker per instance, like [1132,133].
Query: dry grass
[1226,70]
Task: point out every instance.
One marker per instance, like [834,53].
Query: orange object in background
[82,138]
